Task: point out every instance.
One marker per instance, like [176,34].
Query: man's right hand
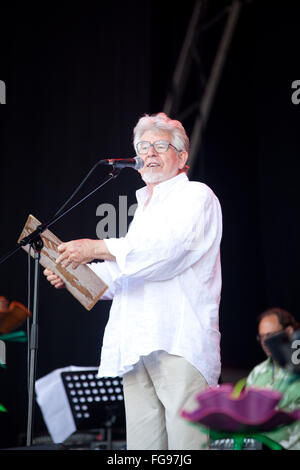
[55,280]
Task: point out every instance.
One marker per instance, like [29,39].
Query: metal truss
[198,111]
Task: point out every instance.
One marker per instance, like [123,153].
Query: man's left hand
[76,252]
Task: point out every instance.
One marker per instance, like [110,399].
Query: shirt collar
[161,189]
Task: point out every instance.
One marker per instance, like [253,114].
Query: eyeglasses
[261,338]
[160,146]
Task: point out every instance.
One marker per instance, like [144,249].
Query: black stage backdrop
[78,78]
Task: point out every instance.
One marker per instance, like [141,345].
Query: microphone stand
[35,240]
[37,245]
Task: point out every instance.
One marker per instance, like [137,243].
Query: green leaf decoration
[2,408]
[19,336]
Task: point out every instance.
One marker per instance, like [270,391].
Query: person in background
[164,278]
[269,374]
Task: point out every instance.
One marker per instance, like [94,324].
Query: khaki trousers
[155,391]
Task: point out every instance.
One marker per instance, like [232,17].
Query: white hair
[161,122]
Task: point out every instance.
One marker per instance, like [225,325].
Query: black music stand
[95,402]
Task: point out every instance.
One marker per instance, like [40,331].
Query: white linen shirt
[166,280]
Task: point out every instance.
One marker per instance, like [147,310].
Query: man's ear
[182,157]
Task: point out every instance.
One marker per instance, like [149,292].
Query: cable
[77,189]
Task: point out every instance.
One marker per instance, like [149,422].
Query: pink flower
[253,410]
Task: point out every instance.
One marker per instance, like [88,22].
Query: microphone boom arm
[42,227]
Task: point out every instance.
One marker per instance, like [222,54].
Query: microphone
[136,163]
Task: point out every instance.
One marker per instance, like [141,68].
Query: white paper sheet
[54,404]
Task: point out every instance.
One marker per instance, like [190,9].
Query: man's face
[267,327]
[160,167]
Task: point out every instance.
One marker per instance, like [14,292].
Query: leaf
[2,408]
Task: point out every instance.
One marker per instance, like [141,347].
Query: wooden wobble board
[81,282]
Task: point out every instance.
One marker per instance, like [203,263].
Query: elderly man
[164,278]
[269,374]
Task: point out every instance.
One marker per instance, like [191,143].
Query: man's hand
[76,252]
[55,280]
[82,251]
